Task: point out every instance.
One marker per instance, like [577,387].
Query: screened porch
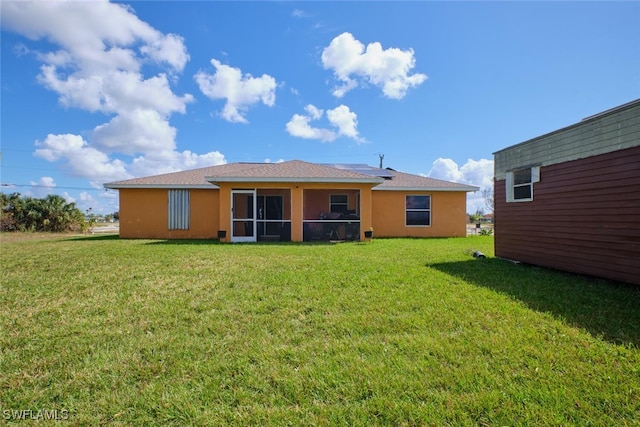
[331,215]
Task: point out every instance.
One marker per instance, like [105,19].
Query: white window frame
[510,184]
[406,210]
[179,209]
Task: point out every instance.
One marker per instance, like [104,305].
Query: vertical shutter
[179,209]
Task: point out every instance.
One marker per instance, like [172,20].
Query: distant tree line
[52,213]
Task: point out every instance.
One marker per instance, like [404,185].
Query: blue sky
[94,92]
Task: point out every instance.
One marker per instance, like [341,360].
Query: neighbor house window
[519,184]
[179,209]
[418,210]
[339,203]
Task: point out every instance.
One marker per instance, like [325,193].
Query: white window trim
[417,210]
[509,186]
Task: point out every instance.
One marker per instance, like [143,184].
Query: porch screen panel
[179,209]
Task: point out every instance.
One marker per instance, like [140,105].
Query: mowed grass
[394,332]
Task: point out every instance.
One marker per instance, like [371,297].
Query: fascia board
[163,186]
[305,180]
[467,189]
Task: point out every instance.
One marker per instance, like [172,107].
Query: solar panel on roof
[361,168]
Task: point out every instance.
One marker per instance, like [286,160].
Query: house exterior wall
[144,211]
[448,214]
[144,214]
[585,213]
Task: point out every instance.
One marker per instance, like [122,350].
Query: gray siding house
[570,199]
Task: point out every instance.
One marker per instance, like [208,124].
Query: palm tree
[52,213]
[55,213]
[31,215]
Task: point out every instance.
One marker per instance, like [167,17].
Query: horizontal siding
[598,135]
[585,218]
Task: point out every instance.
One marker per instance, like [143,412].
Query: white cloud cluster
[388,69]
[474,172]
[102,48]
[44,186]
[106,60]
[240,91]
[41,188]
[341,118]
[83,160]
[171,161]
[104,202]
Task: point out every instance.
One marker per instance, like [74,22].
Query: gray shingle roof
[406,181]
[291,171]
[188,178]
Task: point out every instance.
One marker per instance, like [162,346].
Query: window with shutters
[179,209]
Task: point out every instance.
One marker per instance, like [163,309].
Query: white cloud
[45,181]
[473,172]
[106,202]
[43,187]
[240,91]
[155,135]
[96,33]
[299,126]
[388,68]
[346,121]
[83,161]
[113,91]
[298,13]
[173,161]
[314,112]
[342,118]
[67,197]
[96,66]
[169,49]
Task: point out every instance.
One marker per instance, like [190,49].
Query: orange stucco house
[290,201]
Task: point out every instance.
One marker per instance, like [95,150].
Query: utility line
[9,185]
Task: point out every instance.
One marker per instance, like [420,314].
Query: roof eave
[296,179]
[115,186]
[466,189]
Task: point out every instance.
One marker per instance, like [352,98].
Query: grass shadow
[92,237]
[607,310]
[217,242]
[182,242]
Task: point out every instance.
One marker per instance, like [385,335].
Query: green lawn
[394,332]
